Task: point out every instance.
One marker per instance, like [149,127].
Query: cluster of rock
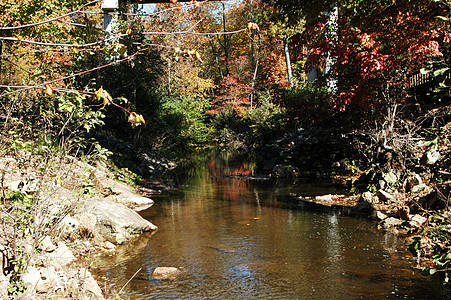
[101,220]
[394,211]
[51,274]
[139,161]
[301,154]
[395,198]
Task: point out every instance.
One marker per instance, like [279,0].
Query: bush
[186,120]
[308,102]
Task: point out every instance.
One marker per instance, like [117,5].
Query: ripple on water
[232,246]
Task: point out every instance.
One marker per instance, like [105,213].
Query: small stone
[381,216]
[369,197]
[325,198]
[419,188]
[47,244]
[390,178]
[384,196]
[391,222]
[81,283]
[382,183]
[109,246]
[430,157]
[15,185]
[61,256]
[417,220]
[412,181]
[165,272]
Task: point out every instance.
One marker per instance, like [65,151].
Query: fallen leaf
[48,90]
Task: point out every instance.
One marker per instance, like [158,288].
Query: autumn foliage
[379,46]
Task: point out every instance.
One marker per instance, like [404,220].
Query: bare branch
[14,39]
[192,33]
[42,85]
[49,20]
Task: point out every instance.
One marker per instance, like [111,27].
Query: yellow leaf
[19,37]
[198,57]
[106,101]
[136,119]
[129,31]
[106,98]
[253,26]
[98,94]
[48,90]
[103,96]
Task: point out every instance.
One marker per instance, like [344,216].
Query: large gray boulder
[116,223]
[116,191]
[123,194]
[49,283]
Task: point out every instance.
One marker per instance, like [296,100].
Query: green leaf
[442,17]
[424,71]
[428,271]
[441,71]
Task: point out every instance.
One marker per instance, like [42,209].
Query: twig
[136,273]
[66,77]
[49,20]
[190,32]
[15,39]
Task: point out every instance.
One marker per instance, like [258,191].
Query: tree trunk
[331,59]
[287,59]
[226,41]
[1,57]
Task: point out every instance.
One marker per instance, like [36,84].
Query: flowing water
[235,239]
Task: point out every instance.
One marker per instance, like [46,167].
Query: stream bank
[404,185]
[55,223]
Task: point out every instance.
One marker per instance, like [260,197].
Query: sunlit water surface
[234,239]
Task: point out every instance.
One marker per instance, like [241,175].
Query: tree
[380,44]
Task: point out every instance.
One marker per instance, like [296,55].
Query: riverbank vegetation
[364,98]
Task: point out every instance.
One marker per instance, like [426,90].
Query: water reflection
[233,241]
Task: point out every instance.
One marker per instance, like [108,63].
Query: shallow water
[233,239]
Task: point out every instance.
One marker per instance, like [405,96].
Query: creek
[234,238]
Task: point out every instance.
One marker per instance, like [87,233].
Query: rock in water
[166,273]
[116,223]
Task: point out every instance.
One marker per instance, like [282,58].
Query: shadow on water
[233,239]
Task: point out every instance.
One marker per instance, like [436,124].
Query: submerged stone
[166,273]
